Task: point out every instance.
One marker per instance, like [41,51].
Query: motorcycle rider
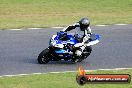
[82,34]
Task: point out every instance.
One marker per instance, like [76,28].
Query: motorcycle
[63,47]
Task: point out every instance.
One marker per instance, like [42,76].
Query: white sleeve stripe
[64,29]
[75,24]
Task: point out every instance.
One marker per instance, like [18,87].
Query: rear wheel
[43,57]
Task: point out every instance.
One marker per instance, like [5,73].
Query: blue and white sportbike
[63,47]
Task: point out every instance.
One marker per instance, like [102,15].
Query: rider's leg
[79,51]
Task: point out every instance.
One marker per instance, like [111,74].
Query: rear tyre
[43,57]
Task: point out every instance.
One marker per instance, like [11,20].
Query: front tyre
[43,57]
[85,54]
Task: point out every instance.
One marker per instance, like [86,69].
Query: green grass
[61,80]
[47,13]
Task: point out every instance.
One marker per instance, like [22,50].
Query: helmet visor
[84,27]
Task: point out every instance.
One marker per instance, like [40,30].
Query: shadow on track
[34,61]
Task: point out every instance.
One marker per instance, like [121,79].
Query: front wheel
[43,57]
[87,52]
[77,59]
[84,55]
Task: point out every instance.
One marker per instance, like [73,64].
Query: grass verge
[60,80]
[47,13]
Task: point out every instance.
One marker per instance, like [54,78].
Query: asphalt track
[19,50]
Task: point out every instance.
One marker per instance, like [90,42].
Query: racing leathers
[82,35]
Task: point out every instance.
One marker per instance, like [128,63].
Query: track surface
[19,50]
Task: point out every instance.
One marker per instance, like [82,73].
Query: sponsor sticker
[83,78]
